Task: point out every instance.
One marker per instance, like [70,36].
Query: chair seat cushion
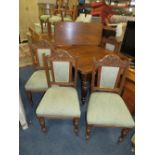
[37,81]
[59,102]
[133,139]
[55,19]
[108,109]
[67,19]
[44,17]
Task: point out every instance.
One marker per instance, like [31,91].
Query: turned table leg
[84,87]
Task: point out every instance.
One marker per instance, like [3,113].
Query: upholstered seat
[55,19]
[67,19]
[44,17]
[37,81]
[59,101]
[108,109]
[133,139]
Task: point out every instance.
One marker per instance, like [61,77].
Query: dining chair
[46,13]
[106,107]
[37,81]
[61,98]
[67,15]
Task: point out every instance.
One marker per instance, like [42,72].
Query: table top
[78,33]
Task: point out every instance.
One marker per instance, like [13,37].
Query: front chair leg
[76,125]
[29,94]
[41,23]
[124,133]
[42,124]
[88,131]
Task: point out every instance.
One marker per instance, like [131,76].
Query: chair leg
[88,131]
[29,94]
[41,23]
[124,133]
[49,29]
[42,124]
[76,125]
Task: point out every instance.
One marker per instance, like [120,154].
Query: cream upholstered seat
[37,81]
[108,109]
[55,18]
[44,18]
[67,19]
[59,101]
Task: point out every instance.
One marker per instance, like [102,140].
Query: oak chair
[106,107]
[51,14]
[37,81]
[46,11]
[61,99]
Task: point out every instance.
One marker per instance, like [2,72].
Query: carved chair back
[62,68]
[67,12]
[109,74]
[110,44]
[62,4]
[37,50]
[109,41]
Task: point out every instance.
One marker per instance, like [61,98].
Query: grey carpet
[60,139]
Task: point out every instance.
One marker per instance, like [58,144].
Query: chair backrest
[37,51]
[110,44]
[59,66]
[45,8]
[62,3]
[109,74]
[67,12]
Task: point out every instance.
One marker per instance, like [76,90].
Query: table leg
[84,87]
